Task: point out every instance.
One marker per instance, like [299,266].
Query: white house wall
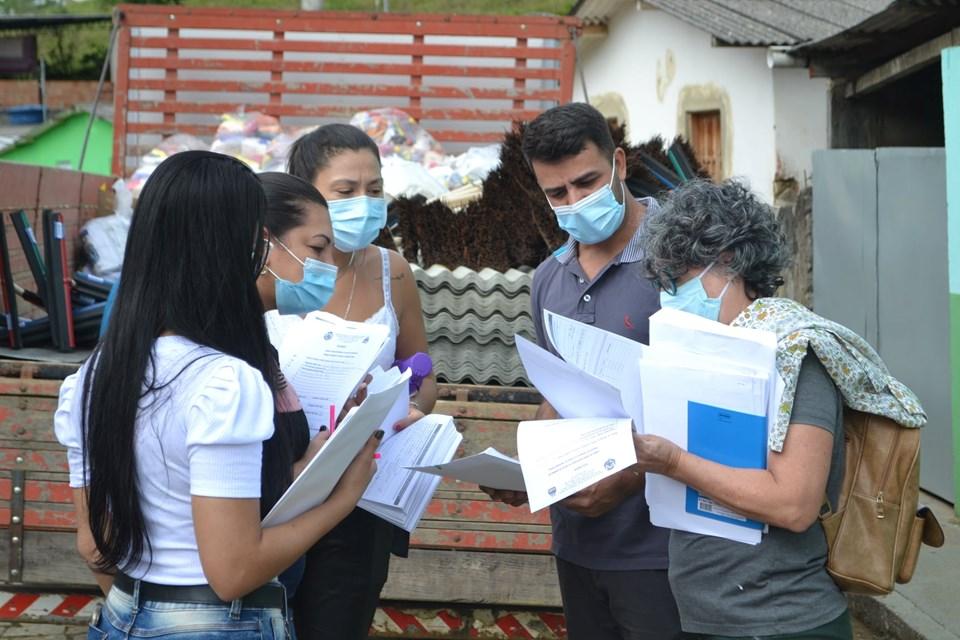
[634,59]
[801,120]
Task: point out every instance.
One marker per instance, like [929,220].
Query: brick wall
[61,94]
[78,196]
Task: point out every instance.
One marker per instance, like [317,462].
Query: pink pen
[333,419]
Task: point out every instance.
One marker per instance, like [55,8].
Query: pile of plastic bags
[414,163]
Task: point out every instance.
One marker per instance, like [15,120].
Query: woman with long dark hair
[165,423]
[348,569]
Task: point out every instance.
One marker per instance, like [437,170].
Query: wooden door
[707,141]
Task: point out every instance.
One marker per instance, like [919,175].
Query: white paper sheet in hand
[325,358]
[561,457]
[604,355]
[401,408]
[672,387]
[572,392]
[318,479]
[489,468]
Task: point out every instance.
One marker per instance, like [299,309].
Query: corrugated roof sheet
[771,22]
[751,22]
[901,25]
[471,319]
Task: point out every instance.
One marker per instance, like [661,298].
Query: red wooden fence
[465,77]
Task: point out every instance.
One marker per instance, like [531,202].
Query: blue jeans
[124,616]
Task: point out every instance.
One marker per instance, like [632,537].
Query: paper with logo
[318,479]
[399,494]
[489,468]
[325,359]
[560,457]
[571,391]
[717,412]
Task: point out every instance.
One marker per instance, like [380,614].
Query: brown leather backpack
[875,531]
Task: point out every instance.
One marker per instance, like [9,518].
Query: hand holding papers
[710,389]
[325,359]
[317,480]
[398,493]
[561,457]
[489,468]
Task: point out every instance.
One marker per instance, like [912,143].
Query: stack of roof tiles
[471,319]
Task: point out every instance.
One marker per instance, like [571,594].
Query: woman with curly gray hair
[717,251]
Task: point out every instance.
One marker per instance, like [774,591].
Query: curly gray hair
[702,221]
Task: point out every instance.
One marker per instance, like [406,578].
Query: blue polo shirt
[620,299]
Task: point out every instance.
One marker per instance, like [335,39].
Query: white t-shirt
[201,434]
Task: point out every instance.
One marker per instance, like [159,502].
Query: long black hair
[312,152]
[287,197]
[190,267]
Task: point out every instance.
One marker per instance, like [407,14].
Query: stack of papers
[317,480]
[711,389]
[325,358]
[398,492]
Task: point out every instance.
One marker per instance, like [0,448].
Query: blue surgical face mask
[311,293]
[692,298]
[356,221]
[596,217]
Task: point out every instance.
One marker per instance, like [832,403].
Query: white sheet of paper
[489,468]
[560,457]
[600,353]
[401,407]
[325,358]
[669,387]
[318,479]
[572,392]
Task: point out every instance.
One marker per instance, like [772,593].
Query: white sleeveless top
[386,315]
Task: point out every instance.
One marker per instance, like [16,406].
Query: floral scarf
[854,366]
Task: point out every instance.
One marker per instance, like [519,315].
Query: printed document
[560,457]
[489,468]
[318,479]
[604,355]
[398,493]
[325,359]
[571,391]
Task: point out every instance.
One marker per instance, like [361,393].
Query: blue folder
[730,438]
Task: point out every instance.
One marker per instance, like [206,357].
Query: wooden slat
[474,577]
[512,413]
[330,110]
[33,460]
[443,135]
[361,68]
[488,393]
[499,541]
[322,89]
[28,387]
[362,23]
[36,370]
[359,48]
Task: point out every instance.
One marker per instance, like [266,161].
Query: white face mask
[356,221]
[595,218]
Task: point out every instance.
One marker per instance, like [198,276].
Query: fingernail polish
[323,428]
[379,434]
[376,456]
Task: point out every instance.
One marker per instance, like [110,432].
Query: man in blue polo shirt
[612,563]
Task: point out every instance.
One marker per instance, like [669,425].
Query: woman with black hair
[165,423]
[347,569]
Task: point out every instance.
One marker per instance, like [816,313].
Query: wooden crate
[467,548]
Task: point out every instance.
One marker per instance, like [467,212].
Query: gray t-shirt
[779,586]
[619,299]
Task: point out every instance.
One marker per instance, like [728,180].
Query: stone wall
[795,212]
